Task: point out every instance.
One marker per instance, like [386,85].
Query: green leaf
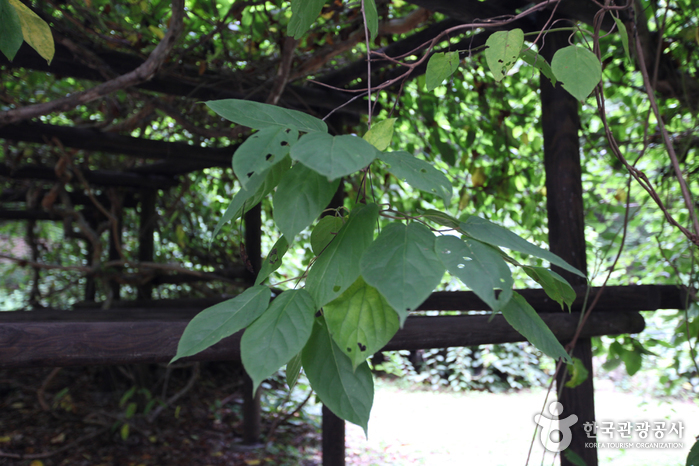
[261,151]
[574,458]
[347,393]
[324,232]
[537,61]
[381,133]
[277,335]
[273,260]
[217,322]
[372,19]
[293,370]
[257,115]
[441,218]
[258,186]
[633,361]
[490,233]
[523,318]
[554,285]
[301,197]
[440,66]
[693,457]
[303,14]
[418,174]
[124,431]
[624,36]
[479,267]
[11,38]
[503,50]
[578,373]
[403,265]
[333,156]
[361,321]
[578,69]
[338,266]
[36,31]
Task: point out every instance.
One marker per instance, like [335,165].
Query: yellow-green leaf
[35,31]
[380,134]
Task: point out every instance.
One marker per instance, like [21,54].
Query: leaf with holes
[479,267]
[36,31]
[578,70]
[503,50]
[347,393]
[537,61]
[257,115]
[11,38]
[303,14]
[222,320]
[372,18]
[381,133]
[523,318]
[258,186]
[333,156]
[361,321]
[403,265]
[338,266]
[418,174]
[300,198]
[555,286]
[490,233]
[324,232]
[273,260]
[440,66]
[262,151]
[277,335]
[293,370]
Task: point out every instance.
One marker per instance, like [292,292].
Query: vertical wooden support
[251,413]
[114,239]
[146,232]
[333,439]
[90,216]
[564,201]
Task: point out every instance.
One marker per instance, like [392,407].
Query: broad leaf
[624,36]
[258,186]
[36,31]
[418,174]
[361,321]
[479,267]
[324,232]
[380,134]
[578,373]
[403,265]
[347,393]
[693,457]
[441,218]
[490,233]
[293,370]
[554,285]
[300,198]
[333,156]
[261,151]
[578,70]
[303,14]
[222,320]
[537,61]
[372,18]
[257,115]
[11,37]
[503,50]
[273,260]
[523,318]
[338,266]
[277,335]
[440,66]
[633,360]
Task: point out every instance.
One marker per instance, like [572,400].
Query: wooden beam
[96,177]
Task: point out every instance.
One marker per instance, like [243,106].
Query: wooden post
[560,122]
[114,240]
[333,439]
[146,231]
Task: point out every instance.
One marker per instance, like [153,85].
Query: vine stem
[368,63]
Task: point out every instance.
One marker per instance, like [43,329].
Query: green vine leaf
[380,134]
[441,218]
[338,266]
[523,318]
[303,14]
[403,265]
[217,322]
[693,457]
[36,31]
[578,373]
[257,115]
[440,66]
[555,286]
[301,197]
[503,50]
[333,156]
[262,151]
[361,321]
[624,36]
[273,260]
[347,393]
[324,232]
[372,18]
[537,61]
[578,70]
[11,38]
[418,174]
[293,370]
[277,335]
[479,267]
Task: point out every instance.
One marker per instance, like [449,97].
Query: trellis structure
[147,331]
